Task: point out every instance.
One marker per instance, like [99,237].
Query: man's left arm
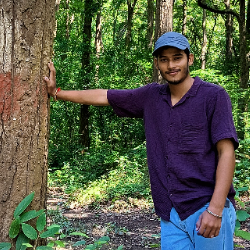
[209,225]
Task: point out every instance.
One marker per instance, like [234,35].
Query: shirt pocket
[192,138]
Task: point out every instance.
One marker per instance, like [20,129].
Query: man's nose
[170,64]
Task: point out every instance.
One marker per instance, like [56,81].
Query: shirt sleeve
[222,124]
[128,102]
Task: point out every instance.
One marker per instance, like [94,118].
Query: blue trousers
[182,235]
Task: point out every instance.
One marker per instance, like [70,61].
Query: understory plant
[26,235]
[242,215]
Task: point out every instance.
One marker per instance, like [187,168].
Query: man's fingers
[202,231]
[52,69]
[198,223]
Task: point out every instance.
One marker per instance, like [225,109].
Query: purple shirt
[181,141]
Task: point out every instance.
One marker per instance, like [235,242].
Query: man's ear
[191,59]
[156,63]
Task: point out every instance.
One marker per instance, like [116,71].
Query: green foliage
[5,246]
[21,241]
[26,233]
[27,236]
[23,205]
[14,228]
[242,215]
[129,177]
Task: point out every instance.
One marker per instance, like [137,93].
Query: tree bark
[244,73]
[131,7]
[229,34]
[184,24]
[68,19]
[150,27]
[248,19]
[164,17]
[204,43]
[26,37]
[86,69]
[163,23]
[98,40]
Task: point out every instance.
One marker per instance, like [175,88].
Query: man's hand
[208,225]
[51,81]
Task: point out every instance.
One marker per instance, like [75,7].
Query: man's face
[173,65]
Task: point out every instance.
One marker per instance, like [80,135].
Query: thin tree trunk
[67,20]
[184,24]
[86,68]
[98,40]
[244,73]
[164,23]
[204,43]
[229,34]
[27,32]
[150,27]
[131,7]
[243,47]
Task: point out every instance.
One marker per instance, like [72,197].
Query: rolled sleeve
[222,125]
[128,102]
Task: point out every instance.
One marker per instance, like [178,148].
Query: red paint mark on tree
[21,99]
[9,96]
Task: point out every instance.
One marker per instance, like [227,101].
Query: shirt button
[170,195]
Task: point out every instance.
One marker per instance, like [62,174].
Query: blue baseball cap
[172,39]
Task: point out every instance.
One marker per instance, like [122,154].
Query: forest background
[97,157]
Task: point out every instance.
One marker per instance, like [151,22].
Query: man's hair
[187,52]
[157,52]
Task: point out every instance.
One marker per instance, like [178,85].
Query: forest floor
[134,228]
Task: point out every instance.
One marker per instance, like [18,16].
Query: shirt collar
[164,90]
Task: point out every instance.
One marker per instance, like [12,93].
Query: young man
[191,140]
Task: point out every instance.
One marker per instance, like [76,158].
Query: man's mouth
[173,72]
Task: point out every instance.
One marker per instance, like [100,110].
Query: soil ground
[133,228]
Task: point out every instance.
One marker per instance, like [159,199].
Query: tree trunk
[248,19]
[163,23]
[244,72]
[184,24]
[229,35]
[86,69]
[27,32]
[204,43]
[98,40]
[150,27]
[131,7]
[164,17]
[68,19]
[243,47]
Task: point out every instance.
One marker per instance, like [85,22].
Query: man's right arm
[96,97]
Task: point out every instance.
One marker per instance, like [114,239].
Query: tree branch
[203,4]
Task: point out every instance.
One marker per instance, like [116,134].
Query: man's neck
[179,90]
